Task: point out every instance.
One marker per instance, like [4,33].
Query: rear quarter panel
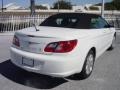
[95,38]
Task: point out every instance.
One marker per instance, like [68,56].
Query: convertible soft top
[71,20]
[78,14]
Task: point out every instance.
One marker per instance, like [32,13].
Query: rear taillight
[16,41]
[61,46]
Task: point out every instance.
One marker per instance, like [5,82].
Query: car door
[107,32]
[104,33]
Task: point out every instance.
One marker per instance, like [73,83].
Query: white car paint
[32,46]
[59,64]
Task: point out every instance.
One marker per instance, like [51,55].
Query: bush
[93,8]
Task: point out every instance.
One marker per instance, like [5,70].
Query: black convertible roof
[78,14]
[71,20]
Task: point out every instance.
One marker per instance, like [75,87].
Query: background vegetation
[114,5]
[62,5]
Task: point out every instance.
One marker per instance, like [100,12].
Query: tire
[88,65]
[113,44]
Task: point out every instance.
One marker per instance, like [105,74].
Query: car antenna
[35,27]
[32,7]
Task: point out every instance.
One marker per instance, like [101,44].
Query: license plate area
[27,62]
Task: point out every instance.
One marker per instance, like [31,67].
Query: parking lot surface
[105,76]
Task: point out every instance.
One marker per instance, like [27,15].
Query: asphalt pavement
[105,76]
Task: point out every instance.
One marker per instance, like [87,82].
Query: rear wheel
[88,65]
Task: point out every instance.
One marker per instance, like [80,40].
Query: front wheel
[113,44]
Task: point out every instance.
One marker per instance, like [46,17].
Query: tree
[93,8]
[114,5]
[110,6]
[40,7]
[62,5]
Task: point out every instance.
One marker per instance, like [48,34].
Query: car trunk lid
[35,41]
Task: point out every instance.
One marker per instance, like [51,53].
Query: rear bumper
[53,65]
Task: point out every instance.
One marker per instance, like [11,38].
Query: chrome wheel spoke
[89,64]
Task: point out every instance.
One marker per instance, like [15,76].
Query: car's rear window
[79,21]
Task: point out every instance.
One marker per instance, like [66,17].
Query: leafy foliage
[94,8]
[114,5]
[40,7]
[62,5]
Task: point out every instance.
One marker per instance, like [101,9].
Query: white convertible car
[63,45]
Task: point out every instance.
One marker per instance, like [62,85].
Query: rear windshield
[79,21]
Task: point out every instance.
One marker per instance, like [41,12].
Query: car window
[78,21]
[61,21]
[98,23]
